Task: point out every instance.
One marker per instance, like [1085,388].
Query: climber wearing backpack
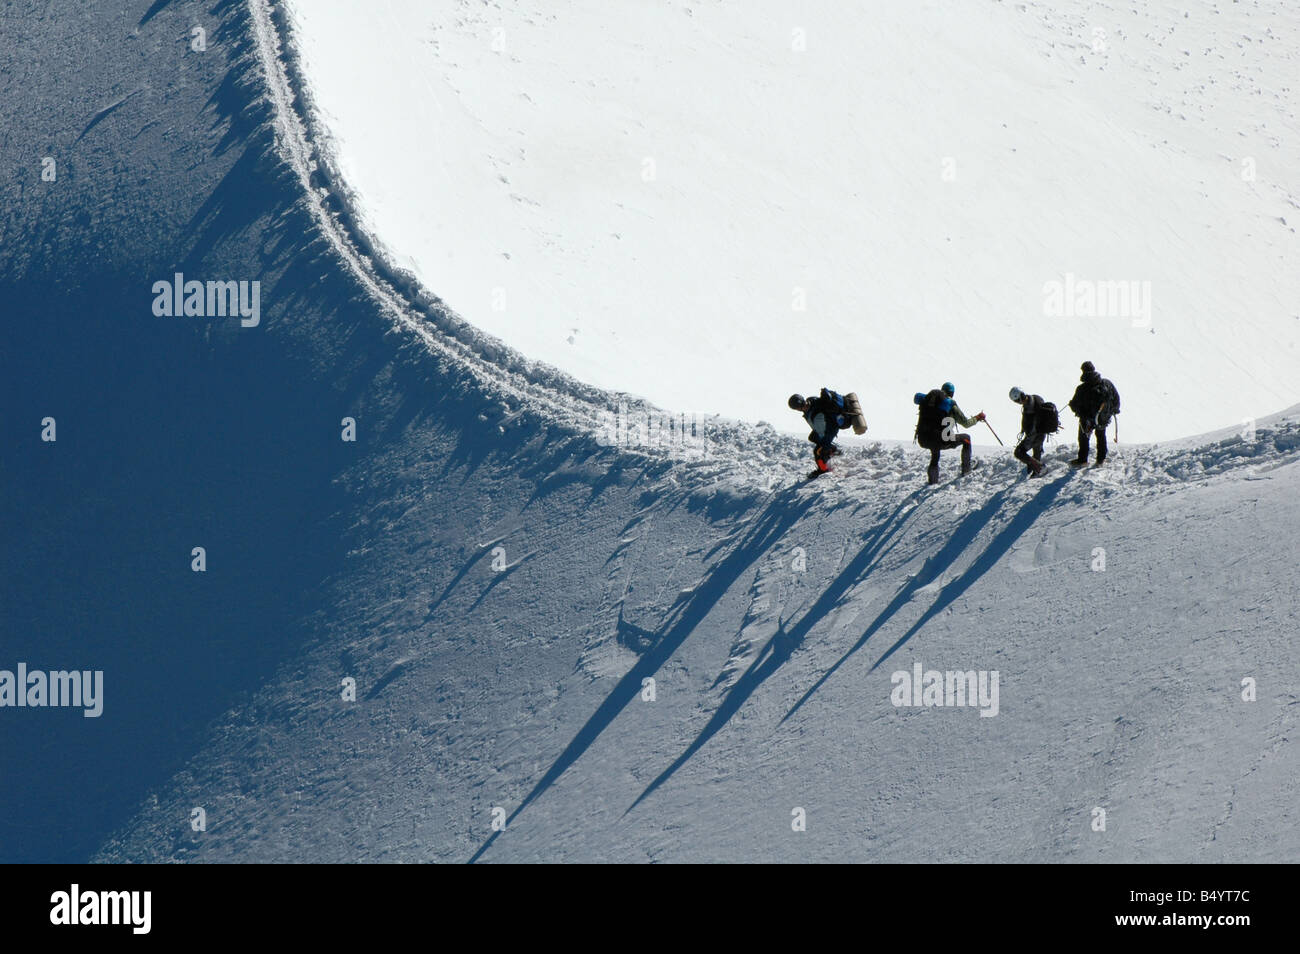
[1038,420]
[827,414]
[1095,402]
[936,427]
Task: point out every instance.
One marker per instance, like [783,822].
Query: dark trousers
[1101,441]
[1032,442]
[962,441]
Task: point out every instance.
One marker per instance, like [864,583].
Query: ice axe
[999,440]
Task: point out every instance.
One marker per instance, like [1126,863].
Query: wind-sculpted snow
[501,605]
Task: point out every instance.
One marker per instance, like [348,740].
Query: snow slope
[522,688]
[713,204]
[500,580]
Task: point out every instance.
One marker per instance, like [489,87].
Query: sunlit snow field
[714,204]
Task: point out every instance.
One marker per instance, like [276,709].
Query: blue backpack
[836,399]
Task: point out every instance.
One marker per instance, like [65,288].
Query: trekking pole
[1116,419]
[999,440]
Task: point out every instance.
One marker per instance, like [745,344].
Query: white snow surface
[713,204]
[510,584]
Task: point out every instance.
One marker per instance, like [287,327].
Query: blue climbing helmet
[948,388]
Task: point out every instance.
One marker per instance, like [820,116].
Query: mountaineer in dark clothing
[1038,420]
[1095,402]
[936,426]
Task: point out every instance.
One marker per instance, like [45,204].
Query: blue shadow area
[171,434]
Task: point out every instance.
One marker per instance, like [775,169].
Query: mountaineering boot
[822,458]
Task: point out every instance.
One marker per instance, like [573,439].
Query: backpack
[836,399]
[853,408]
[1112,399]
[929,420]
[1047,420]
[1091,401]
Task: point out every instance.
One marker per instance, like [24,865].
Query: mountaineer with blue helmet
[936,427]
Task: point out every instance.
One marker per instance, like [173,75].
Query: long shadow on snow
[154,9]
[996,549]
[964,534]
[768,527]
[782,645]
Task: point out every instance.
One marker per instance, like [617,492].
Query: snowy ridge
[501,581]
[396,291]
[639,229]
[502,370]
[306,145]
